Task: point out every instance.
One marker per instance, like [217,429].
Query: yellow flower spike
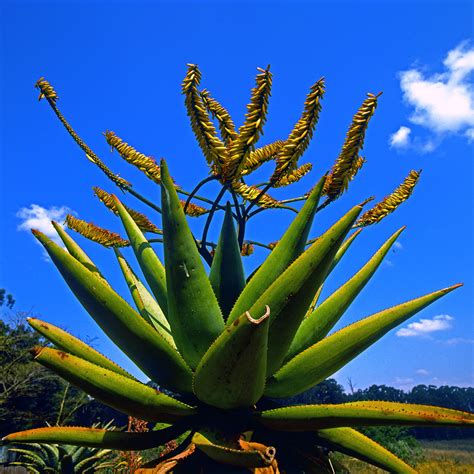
[46,90]
[251,192]
[142,221]
[390,202]
[193,210]
[348,163]
[206,134]
[97,234]
[261,155]
[293,176]
[302,133]
[250,131]
[226,125]
[144,163]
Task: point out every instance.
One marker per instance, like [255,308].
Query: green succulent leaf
[193,311]
[76,251]
[28,454]
[344,248]
[290,246]
[318,324]
[227,452]
[340,253]
[97,438]
[151,266]
[291,294]
[72,345]
[355,444]
[144,301]
[366,413]
[122,393]
[232,372]
[227,272]
[327,356]
[160,361]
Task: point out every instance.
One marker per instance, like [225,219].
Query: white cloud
[458,340]
[469,134]
[398,246]
[424,327]
[38,217]
[422,372]
[401,138]
[442,102]
[404,383]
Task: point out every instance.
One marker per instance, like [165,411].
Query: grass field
[441,457]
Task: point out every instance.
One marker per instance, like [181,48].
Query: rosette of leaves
[40,458]
[223,347]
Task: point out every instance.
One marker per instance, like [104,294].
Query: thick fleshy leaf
[97,438]
[224,452]
[127,329]
[68,343]
[367,413]
[291,294]
[318,324]
[227,272]
[193,311]
[119,392]
[232,372]
[29,455]
[327,356]
[340,253]
[144,301]
[76,251]
[344,248]
[151,266]
[290,246]
[355,444]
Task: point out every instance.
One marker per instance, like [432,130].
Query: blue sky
[119,66]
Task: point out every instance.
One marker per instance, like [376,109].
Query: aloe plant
[39,458]
[224,348]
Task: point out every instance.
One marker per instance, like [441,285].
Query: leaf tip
[258,320]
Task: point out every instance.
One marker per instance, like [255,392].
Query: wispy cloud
[442,103]
[38,217]
[401,138]
[425,327]
[397,245]
[458,340]
[422,372]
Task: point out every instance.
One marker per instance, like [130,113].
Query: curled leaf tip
[261,319]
